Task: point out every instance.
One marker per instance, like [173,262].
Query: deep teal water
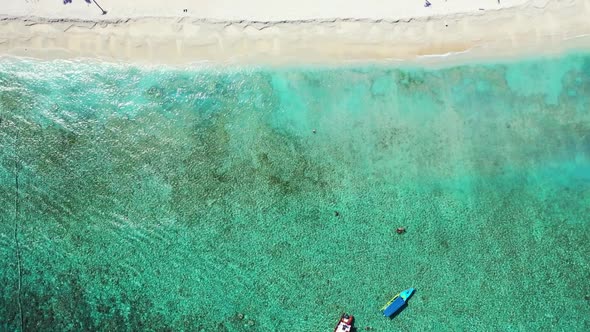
[165,199]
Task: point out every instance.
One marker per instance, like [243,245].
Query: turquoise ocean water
[165,199]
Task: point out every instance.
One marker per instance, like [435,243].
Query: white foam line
[444,54]
[577,36]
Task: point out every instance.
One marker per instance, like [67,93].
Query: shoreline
[434,40]
[428,62]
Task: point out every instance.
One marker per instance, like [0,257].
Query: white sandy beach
[280,31]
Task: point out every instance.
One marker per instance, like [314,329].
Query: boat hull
[394,307]
[345,324]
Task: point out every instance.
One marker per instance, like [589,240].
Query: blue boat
[397,303]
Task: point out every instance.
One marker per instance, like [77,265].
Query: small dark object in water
[368,328]
[313,131]
[336,213]
[240,316]
[400,230]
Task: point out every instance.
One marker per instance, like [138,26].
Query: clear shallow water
[159,199]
